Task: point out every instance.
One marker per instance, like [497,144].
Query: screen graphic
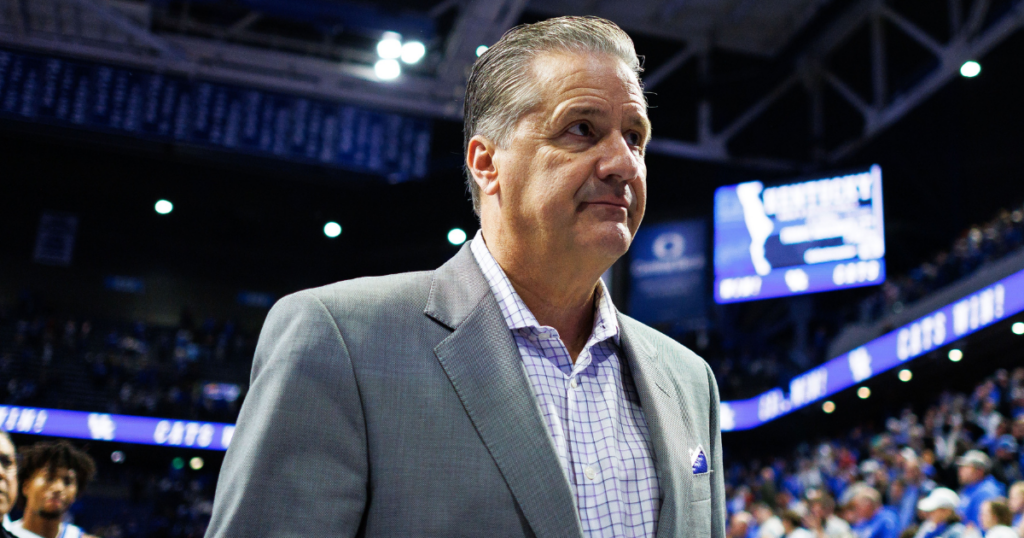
[667,266]
[806,237]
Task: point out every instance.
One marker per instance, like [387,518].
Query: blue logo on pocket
[699,460]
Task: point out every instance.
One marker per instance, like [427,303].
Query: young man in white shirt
[52,475]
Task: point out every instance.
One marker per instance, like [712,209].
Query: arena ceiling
[725,63]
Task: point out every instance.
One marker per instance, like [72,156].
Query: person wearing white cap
[976,485]
[940,517]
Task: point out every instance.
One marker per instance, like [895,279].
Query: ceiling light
[955,355]
[970,69]
[828,407]
[456,236]
[906,375]
[413,51]
[387,69]
[863,393]
[481,50]
[332,229]
[1017,328]
[196,463]
[390,46]
[163,207]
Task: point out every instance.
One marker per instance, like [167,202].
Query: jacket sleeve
[718,476]
[297,462]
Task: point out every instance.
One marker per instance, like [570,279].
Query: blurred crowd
[138,369]
[953,471]
[974,247]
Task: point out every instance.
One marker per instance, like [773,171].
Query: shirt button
[573,383]
[590,472]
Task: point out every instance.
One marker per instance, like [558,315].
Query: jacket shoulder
[673,353]
[367,295]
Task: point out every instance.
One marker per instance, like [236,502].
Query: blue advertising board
[170,108]
[667,267]
[969,314]
[805,237]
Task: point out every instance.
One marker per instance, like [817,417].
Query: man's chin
[50,514]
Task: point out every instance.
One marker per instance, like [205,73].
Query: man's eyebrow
[642,123]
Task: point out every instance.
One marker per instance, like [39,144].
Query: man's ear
[480,162]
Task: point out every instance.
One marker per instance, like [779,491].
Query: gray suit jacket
[399,406]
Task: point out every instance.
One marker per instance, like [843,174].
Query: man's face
[969,474]
[50,495]
[573,176]
[864,508]
[8,476]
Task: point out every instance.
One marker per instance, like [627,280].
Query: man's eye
[633,139]
[581,129]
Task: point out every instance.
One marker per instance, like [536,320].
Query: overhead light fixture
[332,229]
[413,51]
[196,463]
[863,393]
[970,69]
[456,236]
[828,407]
[906,375]
[390,46]
[955,355]
[481,50]
[163,207]
[387,69]
[1018,328]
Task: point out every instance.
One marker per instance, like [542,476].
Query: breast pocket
[700,488]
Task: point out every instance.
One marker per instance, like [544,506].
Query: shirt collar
[518,316]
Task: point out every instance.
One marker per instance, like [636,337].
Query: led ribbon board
[120,428]
[974,312]
[806,237]
[960,318]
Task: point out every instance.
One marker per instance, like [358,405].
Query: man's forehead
[563,75]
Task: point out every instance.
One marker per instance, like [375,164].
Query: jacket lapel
[482,361]
[668,434]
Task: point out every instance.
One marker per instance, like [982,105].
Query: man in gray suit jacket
[502,394]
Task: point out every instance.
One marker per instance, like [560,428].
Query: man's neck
[45,527]
[559,292]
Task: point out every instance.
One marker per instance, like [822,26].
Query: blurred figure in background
[8,481]
[871,519]
[996,519]
[940,518]
[1016,504]
[792,522]
[821,519]
[53,475]
[740,525]
[769,525]
[976,485]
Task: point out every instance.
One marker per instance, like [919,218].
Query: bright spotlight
[481,50]
[456,236]
[955,355]
[828,407]
[387,69]
[332,229]
[413,52]
[1017,328]
[390,46]
[906,375]
[863,393]
[196,463]
[970,69]
[163,207]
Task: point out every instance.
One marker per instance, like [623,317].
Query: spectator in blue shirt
[871,520]
[940,519]
[976,486]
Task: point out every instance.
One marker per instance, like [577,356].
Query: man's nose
[619,161]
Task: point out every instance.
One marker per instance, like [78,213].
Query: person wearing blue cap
[1006,467]
[976,485]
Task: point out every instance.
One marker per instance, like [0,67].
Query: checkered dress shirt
[591,409]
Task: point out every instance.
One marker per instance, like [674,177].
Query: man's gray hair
[501,89]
